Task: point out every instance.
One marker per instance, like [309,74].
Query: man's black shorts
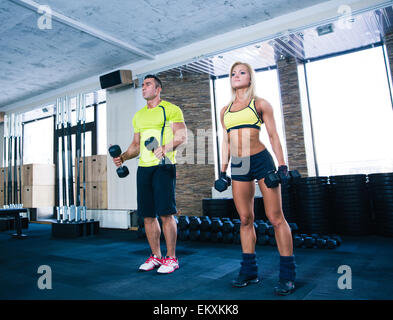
[156,190]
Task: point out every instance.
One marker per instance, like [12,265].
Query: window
[351,112]
[38,141]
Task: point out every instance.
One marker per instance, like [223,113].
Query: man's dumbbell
[273,179]
[223,182]
[115,152]
[151,144]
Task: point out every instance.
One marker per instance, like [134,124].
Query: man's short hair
[156,79]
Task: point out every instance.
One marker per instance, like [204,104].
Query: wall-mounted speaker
[116,79]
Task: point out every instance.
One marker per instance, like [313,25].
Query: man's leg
[169,227]
[153,233]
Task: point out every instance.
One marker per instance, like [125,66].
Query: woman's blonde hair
[250,93]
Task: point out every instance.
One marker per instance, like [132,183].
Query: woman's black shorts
[253,167]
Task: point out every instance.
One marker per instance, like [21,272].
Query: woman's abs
[245,142]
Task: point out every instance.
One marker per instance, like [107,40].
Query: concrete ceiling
[33,61]
[91,37]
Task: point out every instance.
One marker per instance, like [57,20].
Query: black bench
[18,223]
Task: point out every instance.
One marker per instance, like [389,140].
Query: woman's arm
[266,109]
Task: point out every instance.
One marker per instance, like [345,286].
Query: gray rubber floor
[105,266]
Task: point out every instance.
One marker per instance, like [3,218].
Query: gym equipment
[205,223]
[274,178]
[272,241]
[184,222]
[195,223]
[227,237]
[216,236]
[236,223]
[183,234]
[205,236]
[195,234]
[216,224]
[223,182]
[298,241]
[71,216]
[262,239]
[309,242]
[321,243]
[331,244]
[228,227]
[236,238]
[115,152]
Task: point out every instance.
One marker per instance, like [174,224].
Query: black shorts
[156,190]
[253,167]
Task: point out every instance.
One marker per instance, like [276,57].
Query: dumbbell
[331,243]
[228,226]
[216,236]
[294,176]
[195,235]
[273,178]
[183,234]
[262,228]
[227,237]
[184,222]
[205,236]
[321,243]
[270,231]
[262,239]
[151,144]
[195,223]
[237,224]
[236,238]
[298,241]
[223,182]
[309,242]
[272,241]
[115,152]
[205,223]
[337,238]
[216,224]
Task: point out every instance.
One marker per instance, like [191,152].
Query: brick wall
[196,173]
[293,123]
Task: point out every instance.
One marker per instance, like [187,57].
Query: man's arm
[131,152]
[179,137]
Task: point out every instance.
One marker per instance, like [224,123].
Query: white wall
[122,104]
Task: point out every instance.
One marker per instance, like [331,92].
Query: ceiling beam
[34,6]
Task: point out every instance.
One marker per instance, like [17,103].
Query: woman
[250,160]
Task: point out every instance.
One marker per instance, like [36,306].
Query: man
[159,129]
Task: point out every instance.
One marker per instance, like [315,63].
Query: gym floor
[105,266]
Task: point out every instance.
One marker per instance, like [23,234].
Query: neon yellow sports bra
[245,118]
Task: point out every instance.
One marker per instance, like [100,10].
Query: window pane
[38,142]
[102,147]
[351,113]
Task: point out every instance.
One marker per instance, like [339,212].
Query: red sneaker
[151,263]
[169,264]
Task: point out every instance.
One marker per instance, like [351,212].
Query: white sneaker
[168,265]
[151,263]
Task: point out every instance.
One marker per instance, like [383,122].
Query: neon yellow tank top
[245,118]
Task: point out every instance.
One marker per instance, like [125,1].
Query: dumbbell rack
[226,230]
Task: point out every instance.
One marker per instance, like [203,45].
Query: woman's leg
[273,209]
[243,196]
